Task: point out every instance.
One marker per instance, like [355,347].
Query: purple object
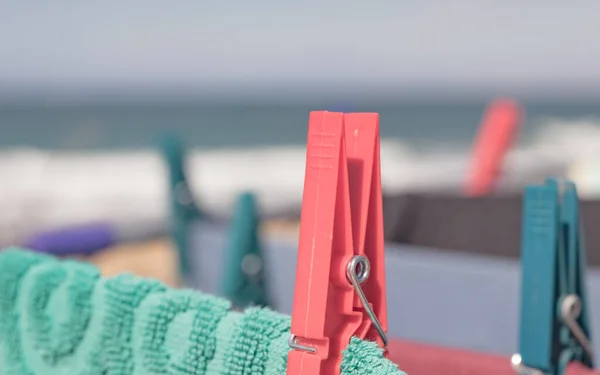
[82,239]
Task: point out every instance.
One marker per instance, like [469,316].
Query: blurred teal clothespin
[184,210]
[243,281]
[555,327]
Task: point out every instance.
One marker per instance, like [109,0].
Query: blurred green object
[243,281]
[184,210]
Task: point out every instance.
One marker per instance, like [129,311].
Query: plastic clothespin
[340,276]
[498,130]
[555,329]
[244,279]
[184,210]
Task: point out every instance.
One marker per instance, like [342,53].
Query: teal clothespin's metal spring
[570,309]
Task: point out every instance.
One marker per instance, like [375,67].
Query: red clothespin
[497,133]
[340,276]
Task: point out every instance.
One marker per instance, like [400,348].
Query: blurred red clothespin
[496,135]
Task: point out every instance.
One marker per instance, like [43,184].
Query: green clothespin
[555,324]
[184,210]
[243,280]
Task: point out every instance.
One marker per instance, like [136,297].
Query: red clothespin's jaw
[340,275]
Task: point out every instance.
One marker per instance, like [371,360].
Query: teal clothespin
[184,210]
[555,327]
[244,279]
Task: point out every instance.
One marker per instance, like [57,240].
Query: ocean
[101,126]
[63,164]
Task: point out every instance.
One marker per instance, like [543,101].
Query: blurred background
[236,81]
[87,90]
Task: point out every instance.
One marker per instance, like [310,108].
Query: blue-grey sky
[191,42]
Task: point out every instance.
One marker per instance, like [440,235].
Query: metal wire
[358,271]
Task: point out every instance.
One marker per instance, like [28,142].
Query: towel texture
[61,317]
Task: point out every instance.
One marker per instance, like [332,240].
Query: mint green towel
[62,318]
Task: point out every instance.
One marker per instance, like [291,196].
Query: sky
[231,43]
